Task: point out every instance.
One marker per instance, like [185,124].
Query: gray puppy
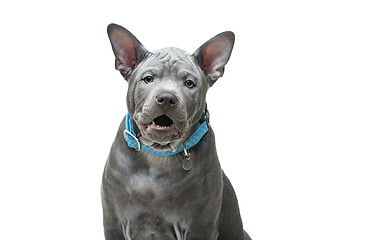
[162,179]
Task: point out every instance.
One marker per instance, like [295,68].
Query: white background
[294,114]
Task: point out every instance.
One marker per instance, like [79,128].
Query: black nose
[166,100]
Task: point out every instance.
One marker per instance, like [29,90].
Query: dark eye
[189,84]
[148,79]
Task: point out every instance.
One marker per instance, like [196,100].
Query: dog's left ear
[129,52]
[213,55]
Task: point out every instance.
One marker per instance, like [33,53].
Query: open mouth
[163,121]
[162,124]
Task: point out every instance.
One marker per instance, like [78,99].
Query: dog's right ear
[128,51]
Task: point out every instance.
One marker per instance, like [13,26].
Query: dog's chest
[147,190]
[164,202]
[155,188]
[156,204]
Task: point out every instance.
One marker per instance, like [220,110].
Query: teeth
[160,126]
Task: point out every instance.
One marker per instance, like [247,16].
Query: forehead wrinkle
[181,63]
[161,56]
[172,60]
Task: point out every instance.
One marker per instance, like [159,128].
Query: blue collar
[134,142]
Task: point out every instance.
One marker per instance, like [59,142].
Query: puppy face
[167,88]
[167,96]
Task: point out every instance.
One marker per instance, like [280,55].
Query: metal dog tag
[186,164]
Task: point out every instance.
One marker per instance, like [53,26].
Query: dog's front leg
[113,228]
[113,234]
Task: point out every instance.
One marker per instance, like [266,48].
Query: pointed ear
[213,55]
[128,51]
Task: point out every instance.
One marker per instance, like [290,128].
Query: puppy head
[167,88]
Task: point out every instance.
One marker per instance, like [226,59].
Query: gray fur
[151,197]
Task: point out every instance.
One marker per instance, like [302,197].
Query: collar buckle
[134,137]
